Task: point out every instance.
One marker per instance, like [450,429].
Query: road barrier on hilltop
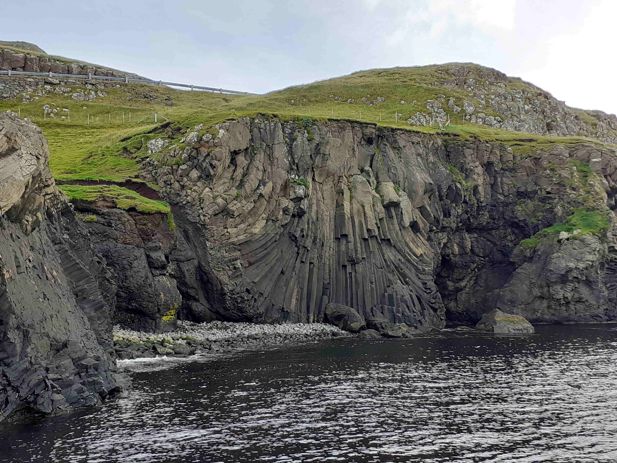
[126,79]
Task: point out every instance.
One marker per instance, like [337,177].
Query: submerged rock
[369,334]
[499,322]
[389,329]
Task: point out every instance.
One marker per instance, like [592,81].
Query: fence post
[49,73]
[126,79]
[156,118]
[9,73]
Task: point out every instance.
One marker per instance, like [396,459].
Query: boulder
[499,322]
[345,317]
[389,329]
[369,334]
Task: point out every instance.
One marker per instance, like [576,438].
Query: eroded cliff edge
[55,293]
[412,228]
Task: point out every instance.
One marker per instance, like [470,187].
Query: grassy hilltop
[103,139]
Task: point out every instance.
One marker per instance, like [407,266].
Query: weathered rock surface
[136,248]
[499,101]
[499,322]
[55,294]
[35,61]
[161,271]
[346,318]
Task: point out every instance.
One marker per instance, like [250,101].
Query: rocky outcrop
[499,101]
[405,228]
[499,322]
[158,263]
[346,318]
[55,294]
[136,248]
[32,61]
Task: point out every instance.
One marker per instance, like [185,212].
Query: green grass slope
[95,140]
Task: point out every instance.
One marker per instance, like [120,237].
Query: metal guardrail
[126,79]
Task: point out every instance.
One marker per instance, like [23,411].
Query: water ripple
[550,397]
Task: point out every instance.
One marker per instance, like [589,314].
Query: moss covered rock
[499,322]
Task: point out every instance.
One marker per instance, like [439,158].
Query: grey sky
[563,46]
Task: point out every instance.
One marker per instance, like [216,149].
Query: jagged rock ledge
[218,338]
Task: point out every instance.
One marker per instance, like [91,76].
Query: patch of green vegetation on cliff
[122,198]
[581,222]
[459,177]
[89,218]
[302,181]
[582,168]
[522,144]
[22,47]
[171,223]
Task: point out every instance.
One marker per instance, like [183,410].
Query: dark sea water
[448,397]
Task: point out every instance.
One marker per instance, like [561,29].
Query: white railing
[127,79]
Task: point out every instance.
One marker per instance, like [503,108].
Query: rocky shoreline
[217,338]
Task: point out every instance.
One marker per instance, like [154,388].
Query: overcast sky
[564,46]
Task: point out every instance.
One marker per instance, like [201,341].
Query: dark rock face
[161,273]
[136,248]
[499,322]
[55,294]
[406,228]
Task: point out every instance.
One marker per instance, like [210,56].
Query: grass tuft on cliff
[122,198]
[581,222]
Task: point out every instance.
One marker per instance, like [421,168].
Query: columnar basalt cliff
[55,293]
[404,227]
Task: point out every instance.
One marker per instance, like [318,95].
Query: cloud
[443,17]
[576,65]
